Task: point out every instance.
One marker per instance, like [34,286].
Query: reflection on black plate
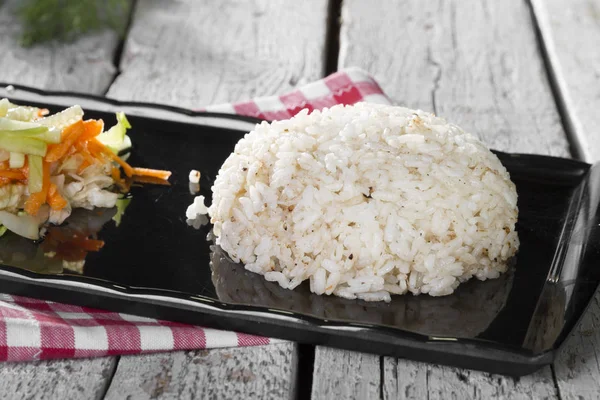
[466,313]
[64,247]
[155,264]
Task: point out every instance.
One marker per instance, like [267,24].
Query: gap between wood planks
[306,365]
[121,46]
[576,145]
[555,381]
[108,381]
[334,24]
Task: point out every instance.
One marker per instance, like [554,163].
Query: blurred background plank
[225,51]
[85,65]
[571,34]
[474,62]
[193,54]
[477,64]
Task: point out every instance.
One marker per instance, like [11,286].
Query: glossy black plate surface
[154,264]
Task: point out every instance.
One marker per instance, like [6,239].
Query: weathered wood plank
[404,379]
[194,53]
[237,373]
[86,65]
[571,33]
[475,63]
[345,374]
[58,379]
[577,368]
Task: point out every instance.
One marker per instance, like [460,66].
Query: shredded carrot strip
[150,179]
[35,200]
[88,159]
[83,166]
[115,173]
[69,136]
[55,200]
[12,174]
[154,173]
[97,149]
[93,127]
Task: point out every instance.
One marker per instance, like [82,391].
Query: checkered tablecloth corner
[33,329]
[348,86]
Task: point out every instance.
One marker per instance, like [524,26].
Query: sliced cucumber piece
[23,144]
[62,119]
[16,160]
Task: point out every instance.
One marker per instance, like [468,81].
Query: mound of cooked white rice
[365,201]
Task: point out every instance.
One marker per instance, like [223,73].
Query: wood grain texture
[267,372]
[195,53]
[477,64]
[577,368]
[190,54]
[404,379]
[474,62]
[58,379]
[345,374]
[571,33]
[85,65]
[82,66]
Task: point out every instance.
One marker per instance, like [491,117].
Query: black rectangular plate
[155,265]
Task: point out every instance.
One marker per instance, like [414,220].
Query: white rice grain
[365,201]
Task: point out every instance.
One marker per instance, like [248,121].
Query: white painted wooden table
[522,74]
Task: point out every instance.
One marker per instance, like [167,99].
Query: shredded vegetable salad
[52,164]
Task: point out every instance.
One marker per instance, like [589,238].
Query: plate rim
[100,287]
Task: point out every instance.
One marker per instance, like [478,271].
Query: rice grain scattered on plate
[365,201]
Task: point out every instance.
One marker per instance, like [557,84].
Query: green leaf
[115,138]
[121,206]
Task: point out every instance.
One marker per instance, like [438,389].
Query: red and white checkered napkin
[35,329]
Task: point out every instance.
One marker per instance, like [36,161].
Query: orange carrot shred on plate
[115,174]
[55,200]
[151,180]
[153,173]
[93,127]
[35,200]
[88,159]
[83,166]
[97,149]
[69,135]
